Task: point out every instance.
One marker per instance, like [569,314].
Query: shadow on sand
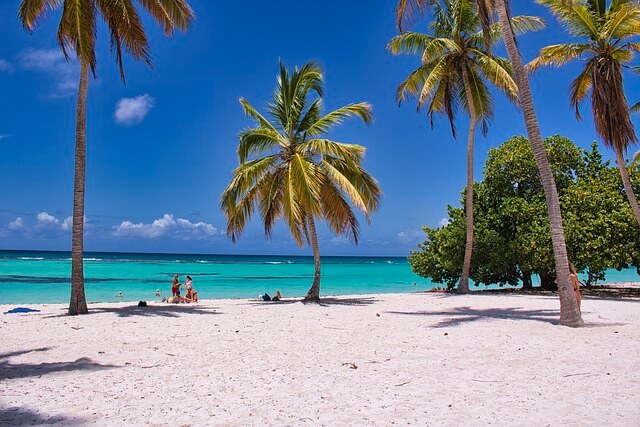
[160,310]
[20,416]
[460,315]
[10,371]
[325,302]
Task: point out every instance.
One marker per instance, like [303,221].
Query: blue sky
[161,148]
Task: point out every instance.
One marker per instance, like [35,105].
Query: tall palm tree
[605,52]
[454,69]
[569,311]
[289,169]
[77,35]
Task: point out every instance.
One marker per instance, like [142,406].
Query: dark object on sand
[21,310]
[142,304]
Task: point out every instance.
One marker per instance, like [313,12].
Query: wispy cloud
[52,62]
[5,66]
[46,226]
[4,136]
[16,225]
[410,236]
[168,227]
[131,111]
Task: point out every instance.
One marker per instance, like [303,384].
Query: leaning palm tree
[605,52]
[408,9]
[289,169]
[454,71]
[77,35]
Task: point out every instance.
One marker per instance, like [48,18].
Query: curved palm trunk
[314,293]
[626,182]
[463,286]
[569,310]
[78,303]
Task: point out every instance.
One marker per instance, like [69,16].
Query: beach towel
[21,310]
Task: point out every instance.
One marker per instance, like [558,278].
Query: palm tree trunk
[463,286]
[78,303]
[626,182]
[569,310]
[314,293]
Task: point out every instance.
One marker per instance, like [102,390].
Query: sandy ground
[427,359]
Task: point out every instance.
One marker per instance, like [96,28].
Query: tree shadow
[11,371]
[19,416]
[324,302]
[356,301]
[468,314]
[161,310]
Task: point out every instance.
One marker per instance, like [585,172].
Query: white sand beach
[360,360]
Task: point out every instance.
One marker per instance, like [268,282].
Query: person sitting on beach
[266,297]
[175,286]
[191,294]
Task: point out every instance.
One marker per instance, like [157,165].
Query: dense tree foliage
[513,241]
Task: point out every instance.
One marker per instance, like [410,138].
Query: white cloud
[4,136]
[46,220]
[53,63]
[131,111]
[5,66]
[410,236]
[17,224]
[340,240]
[68,222]
[444,222]
[166,226]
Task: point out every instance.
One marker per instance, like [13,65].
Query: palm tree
[605,52]
[569,310]
[77,35]
[454,70]
[289,169]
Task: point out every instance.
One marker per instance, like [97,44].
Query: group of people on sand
[266,297]
[191,295]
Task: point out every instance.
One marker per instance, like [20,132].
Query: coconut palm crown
[608,30]
[290,170]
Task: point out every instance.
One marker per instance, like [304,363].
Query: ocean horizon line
[54,251]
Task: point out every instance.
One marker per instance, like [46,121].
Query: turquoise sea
[43,277]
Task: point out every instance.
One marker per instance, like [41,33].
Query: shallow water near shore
[43,277]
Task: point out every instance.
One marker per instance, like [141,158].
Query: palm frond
[342,220]
[622,22]
[32,12]
[362,110]
[408,11]
[170,14]
[581,86]
[250,111]
[523,24]
[558,55]
[256,141]
[499,72]
[77,31]
[126,30]
[326,147]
